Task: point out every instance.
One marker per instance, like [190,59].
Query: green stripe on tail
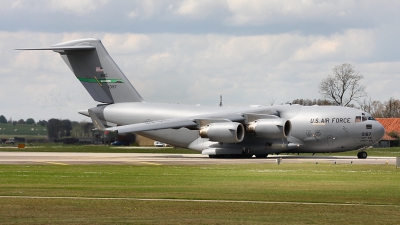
[101,80]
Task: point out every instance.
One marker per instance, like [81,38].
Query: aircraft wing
[146,126]
[193,122]
[154,125]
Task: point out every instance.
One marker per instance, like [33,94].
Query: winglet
[96,121]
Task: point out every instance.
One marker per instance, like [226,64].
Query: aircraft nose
[379,131]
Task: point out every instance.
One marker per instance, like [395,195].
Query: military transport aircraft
[214,131]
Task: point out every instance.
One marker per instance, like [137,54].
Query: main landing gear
[362,155]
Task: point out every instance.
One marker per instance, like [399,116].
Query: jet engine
[270,128]
[228,132]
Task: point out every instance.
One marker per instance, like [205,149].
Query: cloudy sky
[191,51]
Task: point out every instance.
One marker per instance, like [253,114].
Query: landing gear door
[330,140]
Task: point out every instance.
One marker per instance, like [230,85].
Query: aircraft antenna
[220,101]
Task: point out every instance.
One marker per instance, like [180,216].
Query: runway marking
[203,200]
[150,163]
[54,163]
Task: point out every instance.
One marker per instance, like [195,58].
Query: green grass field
[356,194]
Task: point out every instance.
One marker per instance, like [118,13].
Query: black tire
[262,156]
[362,155]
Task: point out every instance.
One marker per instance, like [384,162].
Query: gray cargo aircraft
[214,131]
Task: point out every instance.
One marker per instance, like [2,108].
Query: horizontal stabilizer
[69,48]
[96,121]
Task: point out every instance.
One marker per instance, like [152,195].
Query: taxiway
[70,158]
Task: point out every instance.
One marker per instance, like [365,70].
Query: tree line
[378,109]
[56,128]
[386,109]
[29,121]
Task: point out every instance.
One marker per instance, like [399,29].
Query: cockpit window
[363,118]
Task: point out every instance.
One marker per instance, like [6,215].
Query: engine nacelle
[270,128]
[228,132]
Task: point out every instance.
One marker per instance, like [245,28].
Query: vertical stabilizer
[97,71]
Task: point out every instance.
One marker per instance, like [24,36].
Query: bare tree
[387,109]
[392,108]
[272,101]
[377,109]
[365,105]
[343,87]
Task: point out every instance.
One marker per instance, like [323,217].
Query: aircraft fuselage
[315,129]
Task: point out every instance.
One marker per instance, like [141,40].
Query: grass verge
[369,194]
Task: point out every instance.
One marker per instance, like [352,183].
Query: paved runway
[69,158]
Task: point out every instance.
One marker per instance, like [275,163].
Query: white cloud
[126,43]
[78,7]
[381,79]
[268,12]
[143,10]
[133,14]
[313,11]
[148,9]
[199,9]
[351,45]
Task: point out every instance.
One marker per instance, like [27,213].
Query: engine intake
[229,132]
[270,128]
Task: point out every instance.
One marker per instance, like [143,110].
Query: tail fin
[97,71]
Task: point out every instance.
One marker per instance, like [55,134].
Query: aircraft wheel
[262,156]
[362,155]
[212,156]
